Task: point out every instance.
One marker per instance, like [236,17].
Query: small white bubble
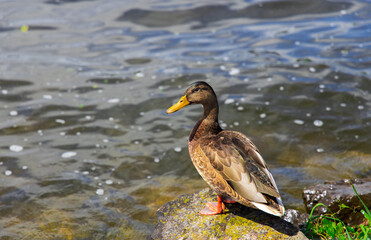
[62,133]
[15,148]
[110,119]
[156,160]
[236,123]
[356,136]
[223,125]
[136,142]
[85,172]
[297,43]
[141,113]
[105,140]
[234,71]
[267,103]
[318,123]
[336,77]
[269,79]
[282,88]
[328,109]
[308,114]
[262,115]
[239,108]
[47,96]
[88,117]
[24,167]
[361,107]
[40,132]
[320,150]
[229,101]
[8,172]
[78,133]
[312,69]
[99,191]
[109,182]
[298,122]
[113,100]
[1,163]
[13,113]
[177,149]
[343,104]
[223,68]
[139,74]
[343,12]
[68,154]
[5,92]
[321,86]
[149,176]
[296,65]
[61,121]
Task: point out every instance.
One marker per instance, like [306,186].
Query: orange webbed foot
[213,208]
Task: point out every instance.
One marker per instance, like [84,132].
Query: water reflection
[87,150]
[205,15]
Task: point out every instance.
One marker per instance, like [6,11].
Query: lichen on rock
[179,219]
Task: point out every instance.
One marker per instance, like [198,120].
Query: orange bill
[179,105]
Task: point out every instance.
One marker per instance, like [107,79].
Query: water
[87,151]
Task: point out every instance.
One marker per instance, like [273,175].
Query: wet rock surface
[334,193]
[179,219]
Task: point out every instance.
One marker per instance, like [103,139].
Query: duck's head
[198,93]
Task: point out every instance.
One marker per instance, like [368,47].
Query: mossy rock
[179,219]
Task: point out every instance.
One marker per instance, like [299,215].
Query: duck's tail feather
[277,209]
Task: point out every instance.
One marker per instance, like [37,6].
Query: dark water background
[87,151]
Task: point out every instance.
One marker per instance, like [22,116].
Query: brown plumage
[227,160]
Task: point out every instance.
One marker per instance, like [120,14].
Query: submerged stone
[180,219]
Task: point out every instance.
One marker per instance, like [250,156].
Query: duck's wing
[239,162]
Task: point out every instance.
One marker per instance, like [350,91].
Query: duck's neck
[208,123]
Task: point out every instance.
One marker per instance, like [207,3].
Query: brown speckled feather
[232,165]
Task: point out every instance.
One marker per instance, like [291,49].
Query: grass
[329,226]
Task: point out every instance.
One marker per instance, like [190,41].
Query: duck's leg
[213,208]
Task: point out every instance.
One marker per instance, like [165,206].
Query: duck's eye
[195,90]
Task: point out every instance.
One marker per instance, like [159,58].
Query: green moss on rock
[180,219]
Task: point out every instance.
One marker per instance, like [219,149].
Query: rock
[332,194]
[296,217]
[179,219]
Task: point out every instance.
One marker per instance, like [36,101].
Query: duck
[228,161]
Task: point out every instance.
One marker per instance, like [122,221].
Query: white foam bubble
[15,148]
[68,154]
[99,191]
[229,101]
[298,122]
[113,100]
[318,123]
[234,71]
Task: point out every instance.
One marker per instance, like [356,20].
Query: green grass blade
[364,205]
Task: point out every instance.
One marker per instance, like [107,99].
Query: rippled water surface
[87,151]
